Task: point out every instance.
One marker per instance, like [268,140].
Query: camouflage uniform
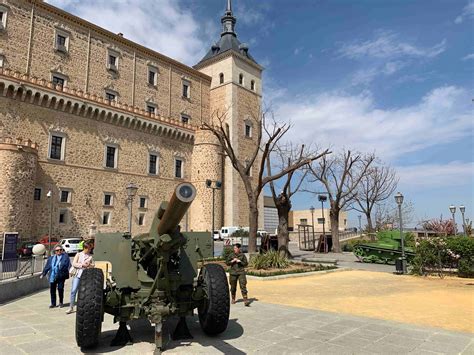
[237,272]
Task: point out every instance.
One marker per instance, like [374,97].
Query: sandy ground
[445,303]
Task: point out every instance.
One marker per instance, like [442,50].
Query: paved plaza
[28,326]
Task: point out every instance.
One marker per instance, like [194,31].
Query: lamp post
[399,201]
[462,208]
[50,196]
[312,223]
[131,192]
[323,198]
[214,185]
[360,224]
[452,208]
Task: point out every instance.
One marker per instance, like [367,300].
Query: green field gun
[153,275]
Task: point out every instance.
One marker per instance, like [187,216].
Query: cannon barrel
[176,208]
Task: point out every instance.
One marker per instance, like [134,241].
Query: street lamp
[50,196]
[216,186]
[360,224]
[399,201]
[462,208]
[312,223]
[452,208]
[131,192]
[323,198]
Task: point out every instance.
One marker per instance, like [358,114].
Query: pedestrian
[82,260]
[58,268]
[238,262]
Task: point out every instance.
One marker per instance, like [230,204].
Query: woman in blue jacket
[58,268]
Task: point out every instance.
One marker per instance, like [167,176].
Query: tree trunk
[370,227]
[253,227]
[283,208]
[334,217]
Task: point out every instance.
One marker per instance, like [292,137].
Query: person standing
[58,268]
[82,260]
[238,262]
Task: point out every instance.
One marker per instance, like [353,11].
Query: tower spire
[228,20]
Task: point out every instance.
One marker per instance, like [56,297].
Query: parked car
[45,241]
[217,235]
[25,248]
[70,245]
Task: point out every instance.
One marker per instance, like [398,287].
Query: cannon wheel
[214,309]
[90,309]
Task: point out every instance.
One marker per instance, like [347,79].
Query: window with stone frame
[141,219]
[178,168]
[37,194]
[108,199]
[63,216]
[3,17]
[143,202]
[106,218]
[221,78]
[152,76]
[65,195]
[112,60]
[241,79]
[151,108]
[110,95]
[61,41]
[186,89]
[252,85]
[153,164]
[57,143]
[111,152]
[248,130]
[185,118]
[58,80]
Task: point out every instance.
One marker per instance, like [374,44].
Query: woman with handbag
[57,266]
[82,260]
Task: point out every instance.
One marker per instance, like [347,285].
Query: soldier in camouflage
[237,262]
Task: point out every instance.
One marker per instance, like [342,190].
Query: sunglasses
[58,250]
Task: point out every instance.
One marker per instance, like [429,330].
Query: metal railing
[347,235]
[16,268]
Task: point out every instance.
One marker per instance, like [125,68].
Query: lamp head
[49,194]
[399,198]
[311,209]
[452,208]
[131,190]
[462,208]
[322,198]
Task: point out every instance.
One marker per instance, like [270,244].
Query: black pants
[59,284]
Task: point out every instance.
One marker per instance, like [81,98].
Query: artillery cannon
[153,276]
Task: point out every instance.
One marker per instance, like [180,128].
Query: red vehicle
[45,241]
[25,249]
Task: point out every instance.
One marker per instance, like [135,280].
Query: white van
[229,239]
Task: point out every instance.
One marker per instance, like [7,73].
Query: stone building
[299,217]
[84,112]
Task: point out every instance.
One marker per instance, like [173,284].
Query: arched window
[252,85]
[241,79]
[221,78]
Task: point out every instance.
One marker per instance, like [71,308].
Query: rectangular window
[55,151]
[58,81]
[178,168]
[186,89]
[2,59]
[37,195]
[303,221]
[110,96]
[252,85]
[141,219]
[248,130]
[61,42]
[185,119]
[112,60]
[110,157]
[3,18]
[152,164]
[151,77]
[65,196]
[108,199]
[143,202]
[106,218]
[63,216]
[151,109]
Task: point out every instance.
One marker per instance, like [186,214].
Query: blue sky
[393,76]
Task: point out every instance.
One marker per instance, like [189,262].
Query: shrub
[226,252]
[270,259]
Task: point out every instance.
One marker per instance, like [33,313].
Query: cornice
[224,55]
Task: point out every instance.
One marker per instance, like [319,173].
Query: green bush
[268,260]
[240,233]
[226,252]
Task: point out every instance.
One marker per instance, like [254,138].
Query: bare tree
[386,214]
[283,157]
[376,186]
[274,131]
[340,176]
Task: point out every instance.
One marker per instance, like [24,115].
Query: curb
[290,276]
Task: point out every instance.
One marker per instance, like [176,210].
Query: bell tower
[236,90]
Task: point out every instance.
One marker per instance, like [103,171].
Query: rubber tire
[214,310]
[90,308]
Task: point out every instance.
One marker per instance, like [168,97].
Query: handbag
[72,271]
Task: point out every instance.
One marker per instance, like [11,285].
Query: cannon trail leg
[181,331]
[122,337]
[158,336]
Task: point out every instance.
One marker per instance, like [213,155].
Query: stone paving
[28,326]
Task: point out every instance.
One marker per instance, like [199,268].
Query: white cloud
[467,13]
[247,15]
[386,45]
[162,25]
[367,75]
[297,51]
[443,115]
[427,176]
[468,57]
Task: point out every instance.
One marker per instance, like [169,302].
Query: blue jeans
[74,288]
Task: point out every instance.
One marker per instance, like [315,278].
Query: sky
[391,77]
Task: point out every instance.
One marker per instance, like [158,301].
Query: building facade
[84,112]
[305,217]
